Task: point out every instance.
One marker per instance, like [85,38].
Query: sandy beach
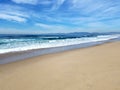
[93,68]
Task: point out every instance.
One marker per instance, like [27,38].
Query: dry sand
[94,68]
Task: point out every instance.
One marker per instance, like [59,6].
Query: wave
[22,44]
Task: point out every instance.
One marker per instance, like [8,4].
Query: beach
[92,68]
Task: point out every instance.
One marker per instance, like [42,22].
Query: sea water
[16,43]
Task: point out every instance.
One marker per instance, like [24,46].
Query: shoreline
[21,55]
[93,68]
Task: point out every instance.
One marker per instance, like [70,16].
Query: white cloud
[52,27]
[95,24]
[43,25]
[77,13]
[19,31]
[45,2]
[12,18]
[57,4]
[94,7]
[79,3]
[13,13]
[33,2]
[26,1]
[59,28]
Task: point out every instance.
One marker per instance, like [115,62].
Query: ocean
[16,43]
[19,47]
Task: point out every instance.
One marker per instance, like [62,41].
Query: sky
[59,16]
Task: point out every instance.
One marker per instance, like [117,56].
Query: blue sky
[54,16]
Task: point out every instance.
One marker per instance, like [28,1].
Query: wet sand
[93,68]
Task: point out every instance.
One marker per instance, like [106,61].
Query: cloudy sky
[54,16]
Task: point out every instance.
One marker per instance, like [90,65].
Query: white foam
[58,43]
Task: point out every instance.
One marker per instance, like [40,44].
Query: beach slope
[93,68]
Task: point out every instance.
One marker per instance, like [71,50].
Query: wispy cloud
[12,18]
[62,15]
[57,4]
[54,28]
[26,1]
[43,25]
[32,2]
[49,26]
[95,7]
[6,13]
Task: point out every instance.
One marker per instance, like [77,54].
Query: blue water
[15,43]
